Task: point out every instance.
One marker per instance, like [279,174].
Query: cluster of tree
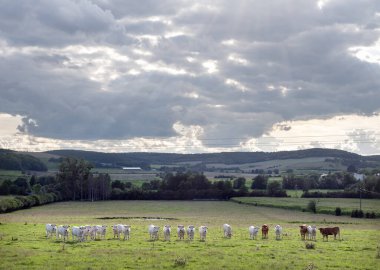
[10,160]
[338,180]
[270,172]
[194,186]
[77,183]
[74,181]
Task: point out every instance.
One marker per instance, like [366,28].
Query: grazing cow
[167,230]
[253,231]
[190,232]
[181,232]
[78,232]
[101,230]
[63,230]
[278,231]
[153,232]
[227,230]
[264,231]
[312,232]
[50,229]
[203,232]
[330,231]
[125,230]
[303,231]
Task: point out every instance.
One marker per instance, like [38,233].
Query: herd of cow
[81,233]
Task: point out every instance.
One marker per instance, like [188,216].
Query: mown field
[23,244]
[324,205]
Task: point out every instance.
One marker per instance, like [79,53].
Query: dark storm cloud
[121,69]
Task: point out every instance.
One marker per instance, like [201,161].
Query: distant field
[298,193]
[313,164]
[9,175]
[30,249]
[324,205]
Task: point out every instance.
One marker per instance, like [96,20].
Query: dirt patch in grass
[139,218]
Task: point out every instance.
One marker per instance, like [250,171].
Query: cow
[101,231]
[330,231]
[264,231]
[125,230]
[115,231]
[167,229]
[153,232]
[203,232]
[78,232]
[87,232]
[92,232]
[50,229]
[227,230]
[253,231]
[303,231]
[63,230]
[312,232]
[190,232]
[278,232]
[181,232]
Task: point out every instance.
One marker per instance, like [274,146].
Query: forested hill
[11,160]
[145,159]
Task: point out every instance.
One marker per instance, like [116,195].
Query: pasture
[324,205]
[23,244]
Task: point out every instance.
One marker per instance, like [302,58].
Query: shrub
[338,211]
[180,261]
[312,206]
[309,245]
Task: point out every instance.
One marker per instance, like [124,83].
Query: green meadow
[324,205]
[23,244]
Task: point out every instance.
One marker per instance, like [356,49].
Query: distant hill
[146,159]
[12,160]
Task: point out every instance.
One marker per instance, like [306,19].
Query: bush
[338,211]
[309,245]
[21,202]
[357,213]
[312,206]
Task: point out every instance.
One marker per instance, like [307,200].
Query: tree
[273,188]
[259,182]
[239,182]
[73,176]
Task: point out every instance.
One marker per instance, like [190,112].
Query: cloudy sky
[190,76]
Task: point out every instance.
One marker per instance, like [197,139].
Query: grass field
[23,244]
[324,205]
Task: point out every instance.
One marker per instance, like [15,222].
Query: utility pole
[360,205]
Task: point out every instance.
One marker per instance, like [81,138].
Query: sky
[190,76]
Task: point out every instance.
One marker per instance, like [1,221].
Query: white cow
[253,231]
[153,232]
[115,230]
[227,230]
[63,230]
[190,232]
[101,230]
[50,230]
[312,232]
[78,232]
[278,232]
[125,230]
[92,232]
[181,232]
[167,229]
[203,232]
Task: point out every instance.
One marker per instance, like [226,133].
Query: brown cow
[330,231]
[303,231]
[264,231]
